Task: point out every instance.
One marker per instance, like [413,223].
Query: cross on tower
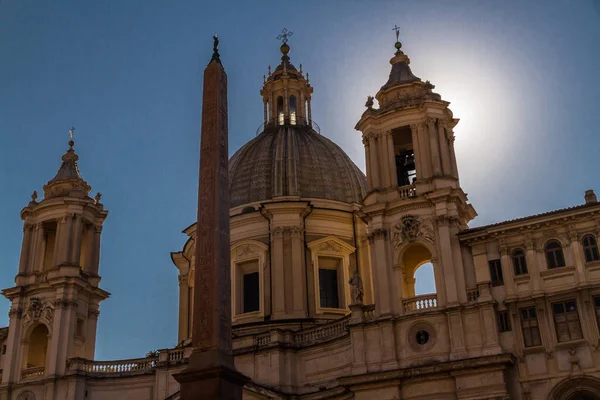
[71,132]
[284,35]
[397,30]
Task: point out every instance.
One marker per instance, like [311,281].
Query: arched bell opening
[419,283]
[37,347]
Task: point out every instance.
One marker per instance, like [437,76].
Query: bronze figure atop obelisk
[211,372]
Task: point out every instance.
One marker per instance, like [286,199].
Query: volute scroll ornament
[411,228]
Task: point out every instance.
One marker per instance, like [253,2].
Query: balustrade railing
[132,366]
[322,333]
[420,303]
[32,373]
[407,191]
[176,355]
[262,340]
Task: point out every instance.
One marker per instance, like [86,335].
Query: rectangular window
[566,321]
[531,330]
[503,321]
[496,273]
[251,292]
[328,288]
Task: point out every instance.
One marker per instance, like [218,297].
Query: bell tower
[55,302]
[409,139]
[415,205]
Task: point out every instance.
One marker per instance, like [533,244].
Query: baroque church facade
[323,262]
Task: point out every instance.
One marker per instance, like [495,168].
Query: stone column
[25,248]
[67,239]
[211,372]
[414,130]
[57,241]
[424,150]
[385,139]
[95,260]
[184,312]
[265,110]
[76,241]
[392,159]
[89,233]
[445,153]
[374,159]
[447,259]
[435,148]
[38,248]
[366,143]
[298,274]
[90,336]
[451,139]
[309,112]
[507,271]
[12,369]
[382,274]
[62,332]
[277,272]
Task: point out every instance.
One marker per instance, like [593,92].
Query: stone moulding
[449,367]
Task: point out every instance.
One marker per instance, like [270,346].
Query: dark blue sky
[521,76]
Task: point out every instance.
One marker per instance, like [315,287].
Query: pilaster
[435,149]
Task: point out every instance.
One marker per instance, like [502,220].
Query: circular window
[422,337]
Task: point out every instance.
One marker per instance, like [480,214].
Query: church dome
[293,160]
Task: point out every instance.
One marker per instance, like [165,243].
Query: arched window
[280,118]
[554,254]
[590,248]
[38,346]
[424,279]
[293,110]
[519,262]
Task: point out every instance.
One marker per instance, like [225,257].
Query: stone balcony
[420,303]
[33,373]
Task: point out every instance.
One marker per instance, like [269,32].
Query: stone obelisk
[211,373]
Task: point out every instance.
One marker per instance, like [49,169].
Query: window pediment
[331,245]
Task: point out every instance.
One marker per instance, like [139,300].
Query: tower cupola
[286,91]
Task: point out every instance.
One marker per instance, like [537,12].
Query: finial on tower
[216,57]
[397,45]
[71,133]
[284,35]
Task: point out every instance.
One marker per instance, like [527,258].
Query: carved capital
[375,234]
[431,122]
[182,279]
[414,127]
[15,312]
[65,303]
[277,232]
[98,228]
[93,313]
[296,231]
